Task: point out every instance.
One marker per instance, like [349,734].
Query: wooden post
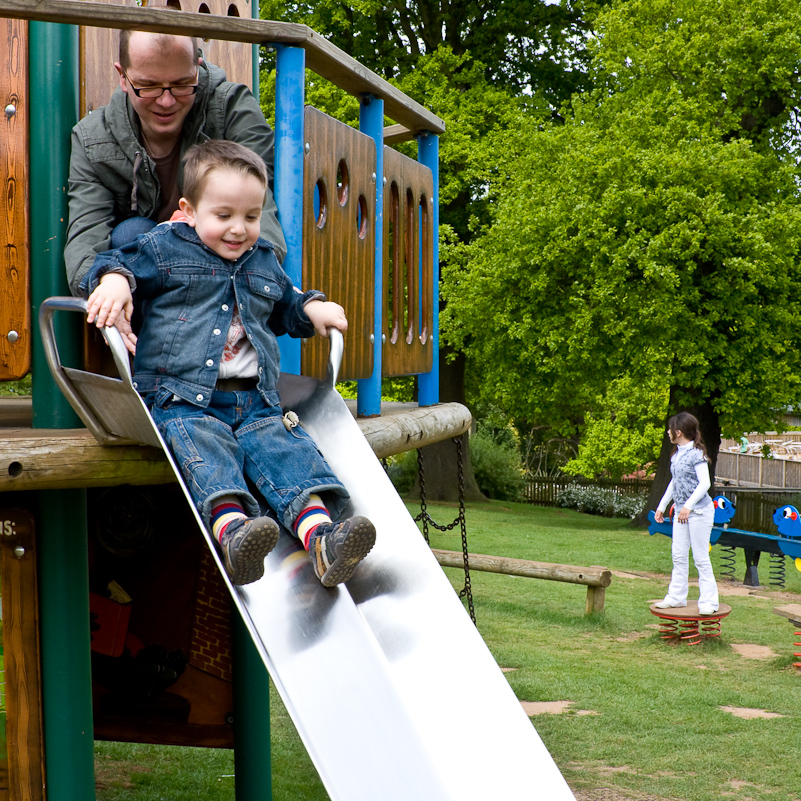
[595,600]
[18,579]
[15,300]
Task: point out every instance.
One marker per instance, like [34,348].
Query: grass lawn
[647,720]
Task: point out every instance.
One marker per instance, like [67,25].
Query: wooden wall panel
[21,654]
[339,238]
[408,266]
[98,52]
[236,58]
[15,302]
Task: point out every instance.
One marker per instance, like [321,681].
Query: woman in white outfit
[692,526]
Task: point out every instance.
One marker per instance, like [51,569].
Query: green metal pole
[66,663]
[53,107]
[251,687]
[252,758]
[61,514]
[256,85]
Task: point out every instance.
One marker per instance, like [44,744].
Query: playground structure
[361,223]
[773,529]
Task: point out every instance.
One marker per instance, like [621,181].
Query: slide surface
[390,686]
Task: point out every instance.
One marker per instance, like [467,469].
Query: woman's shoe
[707,609]
[666,604]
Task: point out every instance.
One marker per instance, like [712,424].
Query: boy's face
[228,214]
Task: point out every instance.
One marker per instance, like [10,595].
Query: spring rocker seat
[686,624]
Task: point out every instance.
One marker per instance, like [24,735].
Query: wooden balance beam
[596,579]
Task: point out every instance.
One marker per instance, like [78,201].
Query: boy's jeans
[694,533]
[242,436]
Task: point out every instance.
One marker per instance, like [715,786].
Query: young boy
[213,299]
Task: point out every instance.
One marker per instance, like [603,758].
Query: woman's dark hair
[688,425]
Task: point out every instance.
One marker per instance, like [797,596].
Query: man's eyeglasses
[178,90]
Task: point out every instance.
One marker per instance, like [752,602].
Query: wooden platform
[791,611]
[34,459]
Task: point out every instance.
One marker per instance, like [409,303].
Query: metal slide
[391,688]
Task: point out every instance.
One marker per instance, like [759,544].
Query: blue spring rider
[787,541]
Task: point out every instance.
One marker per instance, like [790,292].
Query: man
[126,170]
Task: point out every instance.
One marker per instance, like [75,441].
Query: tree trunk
[440,462]
[709,424]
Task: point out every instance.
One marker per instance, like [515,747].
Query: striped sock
[224,511]
[312,515]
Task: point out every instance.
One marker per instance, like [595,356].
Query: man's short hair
[160,38]
[218,154]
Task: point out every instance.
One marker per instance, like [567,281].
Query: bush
[402,471]
[608,502]
[16,388]
[497,468]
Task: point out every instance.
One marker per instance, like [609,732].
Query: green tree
[477,65]
[654,237]
[620,435]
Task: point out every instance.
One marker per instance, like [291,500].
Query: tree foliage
[526,46]
[476,65]
[653,239]
[620,435]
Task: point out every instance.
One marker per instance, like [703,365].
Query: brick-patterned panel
[211,630]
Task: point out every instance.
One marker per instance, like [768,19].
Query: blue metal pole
[289,99]
[428,383]
[371,122]
[61,514]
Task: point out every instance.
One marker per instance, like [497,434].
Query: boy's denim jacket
[186,294]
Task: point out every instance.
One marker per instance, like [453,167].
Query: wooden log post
[69,458]
[18,576]
[596,579]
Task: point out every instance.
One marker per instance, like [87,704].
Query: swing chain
[425,517]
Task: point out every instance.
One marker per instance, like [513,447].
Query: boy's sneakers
[245,543]
[666,604]
[336,548]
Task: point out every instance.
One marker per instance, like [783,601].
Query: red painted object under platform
[685,623]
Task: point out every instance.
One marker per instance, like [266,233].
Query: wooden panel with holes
[18,580]
[236,58]
[15,300]
[339,236]
[408,266]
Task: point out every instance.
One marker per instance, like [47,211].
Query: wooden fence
[543,491]
[755,470]
[755,502]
